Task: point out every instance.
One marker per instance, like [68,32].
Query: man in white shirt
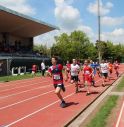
[74,69]
[43,68]
[104,71]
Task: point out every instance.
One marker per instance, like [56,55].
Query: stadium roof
[22,25]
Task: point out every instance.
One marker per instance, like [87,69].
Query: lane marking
[32,90]
[37,111]
[28,99]
[120,115]
[22,86]
[11,83]
[24,91]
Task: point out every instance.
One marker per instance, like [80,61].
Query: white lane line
[22,86]
[28,99]
[120,116]
[37,111]
[3,97]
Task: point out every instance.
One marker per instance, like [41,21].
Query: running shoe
[63,104]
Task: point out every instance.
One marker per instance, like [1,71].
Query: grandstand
[16,39]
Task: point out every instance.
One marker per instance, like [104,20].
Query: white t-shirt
[104,67]
[74,69]
[42,66]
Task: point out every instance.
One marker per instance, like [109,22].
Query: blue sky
[71,15]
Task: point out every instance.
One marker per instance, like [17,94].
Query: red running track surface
[120,119]
[32,102]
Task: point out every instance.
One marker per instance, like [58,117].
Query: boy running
[87,75]
[104,71]
[116,67]
[98,69]
[74,69]
[110,68]
[93,66]
[55,71]
[68,65]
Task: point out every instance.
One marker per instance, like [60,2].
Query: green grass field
[120,86]
[18,77]
[100,119]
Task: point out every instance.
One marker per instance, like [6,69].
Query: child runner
[55,71]
[104,71]
[98,69]
[93,66]
[87,75]
[110,68]
[68,65]
[116,67]
[74,73]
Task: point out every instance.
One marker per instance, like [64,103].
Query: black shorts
[74,78]
[61,86]
[105,75]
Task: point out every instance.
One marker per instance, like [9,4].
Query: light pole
[99,32]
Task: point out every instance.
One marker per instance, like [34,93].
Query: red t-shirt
[56,71]
[34,67]
[116,65]
[87,70]
[68,66]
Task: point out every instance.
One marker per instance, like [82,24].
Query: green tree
[42,49]
[76,45]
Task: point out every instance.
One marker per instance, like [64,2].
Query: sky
[70,15]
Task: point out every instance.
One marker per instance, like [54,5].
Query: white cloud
[47,38]
[104,8]
[69,17]
[112,21]
[116,36]
[19,6]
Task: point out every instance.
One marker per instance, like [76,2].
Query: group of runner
[89,70]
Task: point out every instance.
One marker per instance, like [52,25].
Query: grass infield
[18,77]
[100,119]
[120,86]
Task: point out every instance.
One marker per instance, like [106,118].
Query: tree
[76,45]
[41,49]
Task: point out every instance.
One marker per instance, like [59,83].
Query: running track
[32,103]
[120,120]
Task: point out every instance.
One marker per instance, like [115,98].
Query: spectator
[43,68]
[34,70]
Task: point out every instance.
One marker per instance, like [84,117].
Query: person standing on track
[87,75]
[75,69]
[43,67]
[55,71]
[104,71]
